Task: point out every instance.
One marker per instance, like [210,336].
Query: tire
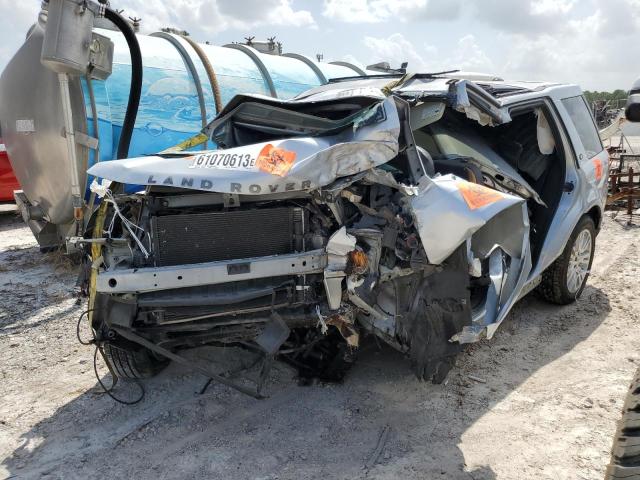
[132,361]
[625,452]
[558,285]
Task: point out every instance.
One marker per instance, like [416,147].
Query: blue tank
[177,101]
[177,97]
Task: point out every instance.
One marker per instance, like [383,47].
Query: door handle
[568,187]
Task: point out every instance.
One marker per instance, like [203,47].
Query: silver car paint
[587,195]
[444,220]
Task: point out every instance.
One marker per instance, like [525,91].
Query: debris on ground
[54,421]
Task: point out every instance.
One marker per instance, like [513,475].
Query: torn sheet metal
[479,105]
[338,248]
[517,223]
[289,165]
[382,177]
[446,217]
[504,240]
[347,93]
[362,87]
[345,326]
[465,96]
[426,113]
[494,289]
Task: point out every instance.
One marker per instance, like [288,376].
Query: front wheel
[131,361]
[563,282]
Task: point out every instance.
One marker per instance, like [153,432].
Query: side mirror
[632,109]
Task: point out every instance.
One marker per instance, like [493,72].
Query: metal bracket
[86,140]
[82,139]
[230,200]
[274,334]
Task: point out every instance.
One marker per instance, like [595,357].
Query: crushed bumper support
[211,273]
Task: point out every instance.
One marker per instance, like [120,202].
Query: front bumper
[141,280]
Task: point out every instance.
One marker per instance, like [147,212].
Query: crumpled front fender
[448,210]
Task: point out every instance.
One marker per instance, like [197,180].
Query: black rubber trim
[135,90]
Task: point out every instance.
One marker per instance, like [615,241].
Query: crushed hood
[366,141]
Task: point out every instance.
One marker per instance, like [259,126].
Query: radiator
[208,237]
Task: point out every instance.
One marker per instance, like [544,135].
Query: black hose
[85,342]
[135,89]
[107,390]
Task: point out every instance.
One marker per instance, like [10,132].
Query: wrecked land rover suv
[415,208]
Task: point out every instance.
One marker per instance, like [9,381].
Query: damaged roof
[426,83]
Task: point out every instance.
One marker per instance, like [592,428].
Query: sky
[594,43]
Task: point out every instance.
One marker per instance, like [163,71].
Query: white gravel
[538,401]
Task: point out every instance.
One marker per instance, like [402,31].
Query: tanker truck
[85,88]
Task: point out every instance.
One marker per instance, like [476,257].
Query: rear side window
[581,116]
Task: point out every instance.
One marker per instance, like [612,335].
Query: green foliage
[175,31]
[616,95]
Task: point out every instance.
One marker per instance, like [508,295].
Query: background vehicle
[8,181]
[418,209]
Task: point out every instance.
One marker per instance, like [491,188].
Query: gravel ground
[540,400]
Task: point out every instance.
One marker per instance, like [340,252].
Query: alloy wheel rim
[579,261]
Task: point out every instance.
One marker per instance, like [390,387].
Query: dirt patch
[538,401]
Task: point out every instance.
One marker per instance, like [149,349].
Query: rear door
[586,171]
[592,158]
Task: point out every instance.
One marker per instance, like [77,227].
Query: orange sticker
[477,196]
[277,161]
[597,164]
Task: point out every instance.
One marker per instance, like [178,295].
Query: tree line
[616,95]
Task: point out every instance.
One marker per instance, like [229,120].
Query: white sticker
[227,161]
[25,126]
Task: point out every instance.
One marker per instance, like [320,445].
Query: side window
[583,121]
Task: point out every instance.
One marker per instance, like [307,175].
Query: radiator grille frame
[189,238]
